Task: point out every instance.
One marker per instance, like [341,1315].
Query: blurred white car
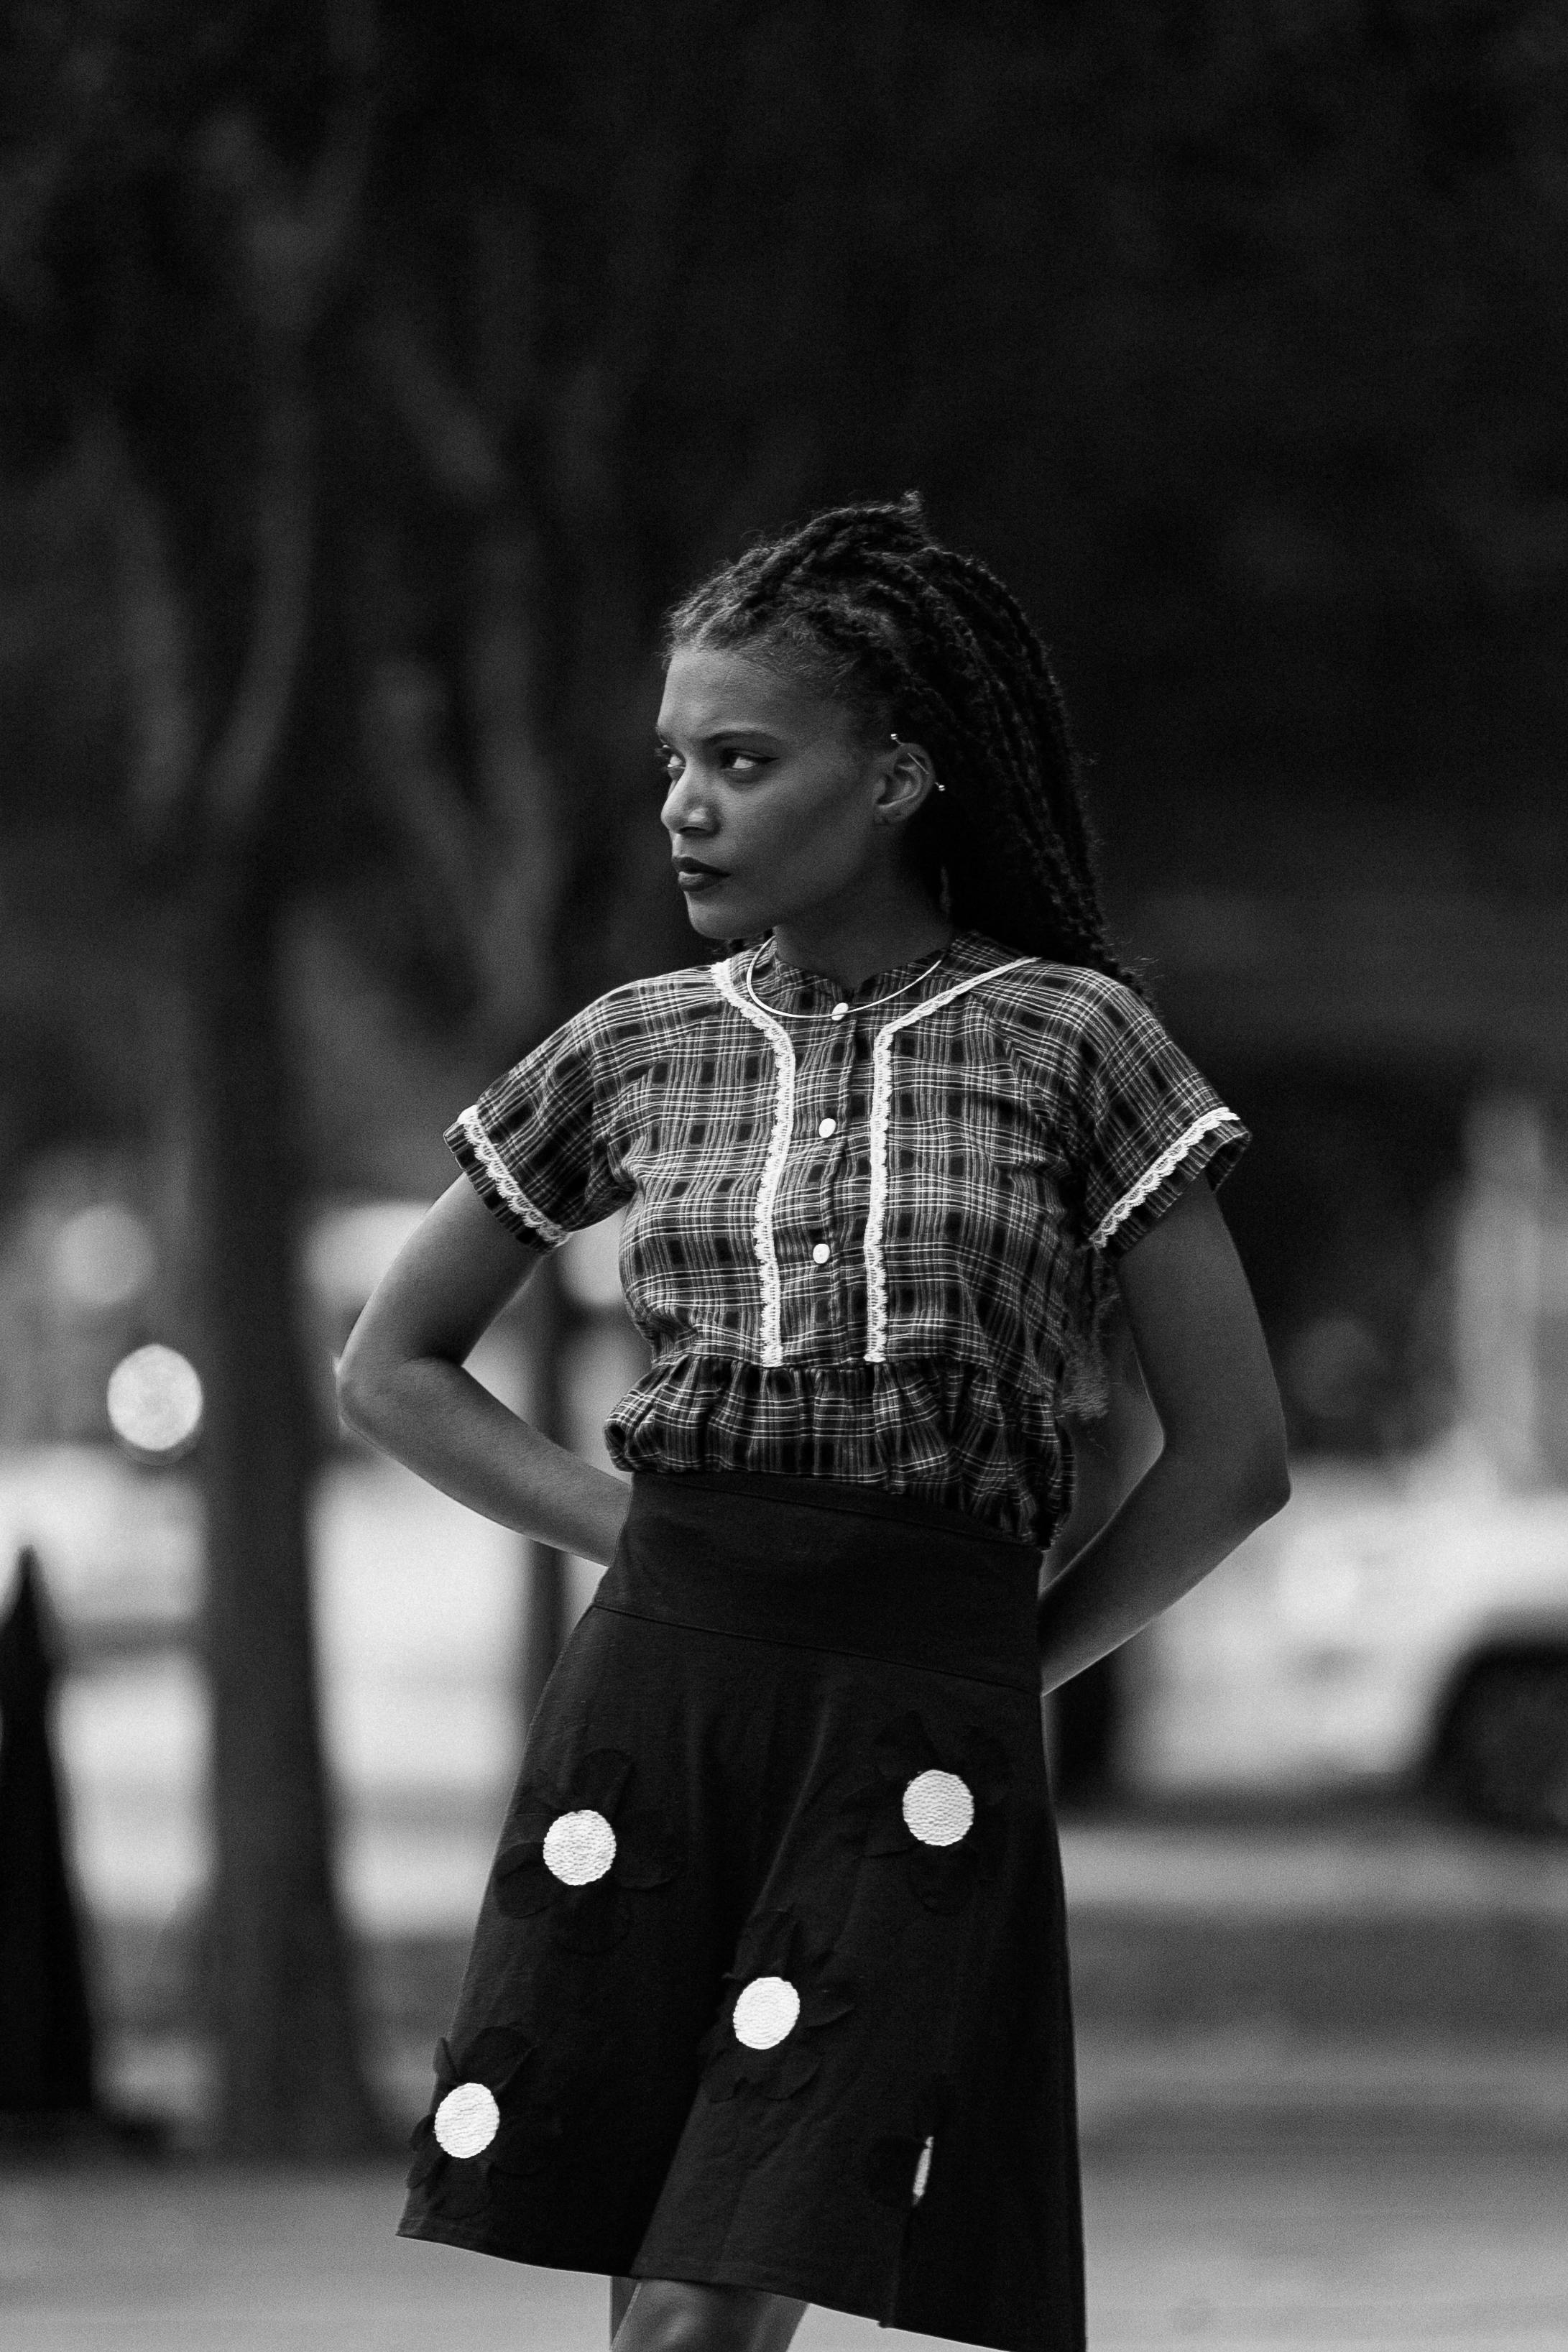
[1403,1624]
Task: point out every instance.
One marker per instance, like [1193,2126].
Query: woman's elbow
[1263,1477]
[1273,1487]
[1246,1473]
[360,1390]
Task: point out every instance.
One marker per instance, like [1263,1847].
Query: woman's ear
[908,776]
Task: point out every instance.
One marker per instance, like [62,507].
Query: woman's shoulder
[1041,998]
[664,999]
[612,1034]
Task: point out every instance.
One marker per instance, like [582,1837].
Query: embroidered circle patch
[468,2119]
[579,1847]
[938,1808]
[766,2011]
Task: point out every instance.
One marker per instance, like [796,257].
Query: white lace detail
[881,1120]
[773,1166]
[1154,1175]
[506,1183]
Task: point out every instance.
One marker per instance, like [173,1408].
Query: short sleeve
[533,1146]
[1150,1122]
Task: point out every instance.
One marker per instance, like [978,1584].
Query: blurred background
[372,374]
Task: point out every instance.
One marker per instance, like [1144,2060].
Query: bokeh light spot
[155,1402]
[103,1256]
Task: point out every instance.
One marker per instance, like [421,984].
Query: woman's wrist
[435,1418]
[1066,1651]
[1182,1518]
[611,1501]
[567,1502]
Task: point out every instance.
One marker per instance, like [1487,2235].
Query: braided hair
[912,636]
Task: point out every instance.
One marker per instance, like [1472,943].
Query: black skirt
[770,1984]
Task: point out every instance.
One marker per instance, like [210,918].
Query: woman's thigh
[675,2316]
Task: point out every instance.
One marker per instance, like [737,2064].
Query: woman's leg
[672,2315]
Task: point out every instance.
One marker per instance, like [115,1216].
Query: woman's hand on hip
[401,1384]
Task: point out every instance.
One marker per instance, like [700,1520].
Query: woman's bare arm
[1222,1469]
[401,1383]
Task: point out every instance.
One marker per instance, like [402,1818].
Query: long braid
[930,641]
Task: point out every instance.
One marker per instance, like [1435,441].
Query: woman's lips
[698,877]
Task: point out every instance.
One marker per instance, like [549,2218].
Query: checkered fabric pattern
[851,1240]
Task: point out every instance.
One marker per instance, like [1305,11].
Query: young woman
[768,1999]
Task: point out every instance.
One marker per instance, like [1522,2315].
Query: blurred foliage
[1233,333]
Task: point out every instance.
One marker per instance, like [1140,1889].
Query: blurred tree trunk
[523,981]
[522,968]
[212,722]
[292,2078]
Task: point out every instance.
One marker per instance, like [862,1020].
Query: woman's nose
[683,811]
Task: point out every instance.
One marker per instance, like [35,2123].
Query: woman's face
[772,785]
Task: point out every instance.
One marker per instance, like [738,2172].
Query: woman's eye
[671,764]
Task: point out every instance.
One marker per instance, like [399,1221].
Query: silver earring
[935,780]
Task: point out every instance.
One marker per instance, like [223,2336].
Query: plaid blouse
[853,1241]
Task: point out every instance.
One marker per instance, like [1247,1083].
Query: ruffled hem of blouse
[937,1430]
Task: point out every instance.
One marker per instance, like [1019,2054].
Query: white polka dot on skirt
[766,2011]
[579,1847]
[937,1809]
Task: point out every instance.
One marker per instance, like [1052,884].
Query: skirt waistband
[822,1565]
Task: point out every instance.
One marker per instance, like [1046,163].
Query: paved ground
[1380,2245]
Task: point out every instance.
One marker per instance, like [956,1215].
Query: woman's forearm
[1183,1517]
[439,1419]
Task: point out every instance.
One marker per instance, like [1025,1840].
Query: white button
[822,1253]
[827,1126]
[838,1012]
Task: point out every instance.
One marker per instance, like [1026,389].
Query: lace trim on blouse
[1154,1175]
[763,1243]
[506,1183]
[881,1120]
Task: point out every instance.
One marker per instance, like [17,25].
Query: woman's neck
[850,951]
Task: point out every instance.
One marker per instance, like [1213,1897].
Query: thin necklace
[840,1009]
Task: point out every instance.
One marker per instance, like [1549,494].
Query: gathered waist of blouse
[938,1430]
